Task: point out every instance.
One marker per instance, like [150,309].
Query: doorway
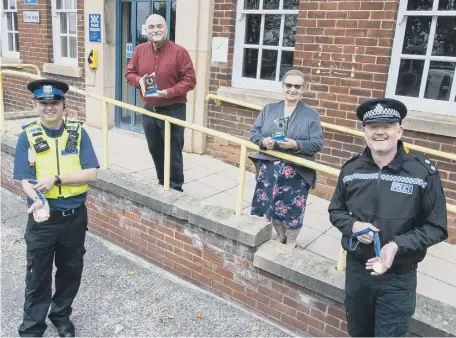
[131,17]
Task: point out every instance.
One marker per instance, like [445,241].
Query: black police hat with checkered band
[381,111]
[48,89]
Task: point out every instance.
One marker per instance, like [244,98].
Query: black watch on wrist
[57,181]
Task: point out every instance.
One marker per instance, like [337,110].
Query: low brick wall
[227,255]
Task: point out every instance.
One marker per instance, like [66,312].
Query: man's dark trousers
[64,237]
[154,131]
[379,306]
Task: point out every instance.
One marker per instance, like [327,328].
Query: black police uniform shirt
[404,200]
[23,170]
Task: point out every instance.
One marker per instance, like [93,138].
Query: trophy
[280,129]
[150,85]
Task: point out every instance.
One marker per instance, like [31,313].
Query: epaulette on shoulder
[24,126]
[351,159]
[426,163]
[76,121]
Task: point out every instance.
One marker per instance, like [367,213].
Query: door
[131,18]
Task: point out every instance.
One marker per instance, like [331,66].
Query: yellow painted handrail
[18,65]
[236,140]
[218,99]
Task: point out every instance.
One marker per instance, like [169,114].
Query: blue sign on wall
[95,27]
[129,50]
[30,2]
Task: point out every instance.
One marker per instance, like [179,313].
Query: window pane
[5,4]
[68,4]
[419,5]
[63,23]
[290,4]
[268,65]
[289,30]
[439,81]
[11,42]
[286,63]
[72,23]
[271,4]
[445,36]
[271,30]
[73,47]
[9,21]
[250,63]
[252,29]
[447,5]
[58,4]
[16,40]
[64,46]
[12,4]
[409,78]
[251,4]
[15,22]
[159,8]
[416,35]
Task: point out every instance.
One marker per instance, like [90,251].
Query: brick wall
[344,48]
[36,47]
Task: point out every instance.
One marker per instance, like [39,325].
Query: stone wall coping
[316,273]
[424,122]
[248,230]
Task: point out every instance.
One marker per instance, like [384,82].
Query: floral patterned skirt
[280,194]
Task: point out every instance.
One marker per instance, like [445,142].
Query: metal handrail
[18,65]
[170,120]
[218,100]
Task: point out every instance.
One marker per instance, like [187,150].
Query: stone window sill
[70,71]
[10,61]
[423,122]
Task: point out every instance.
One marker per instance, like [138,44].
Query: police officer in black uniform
[54,161]
[400,197]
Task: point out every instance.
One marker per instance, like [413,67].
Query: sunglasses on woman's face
[296,86]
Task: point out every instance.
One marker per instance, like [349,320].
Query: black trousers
[154,131]
[379,306]
[62,237]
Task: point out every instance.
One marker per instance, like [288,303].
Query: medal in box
[150,85]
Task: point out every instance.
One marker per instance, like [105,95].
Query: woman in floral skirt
[282,187]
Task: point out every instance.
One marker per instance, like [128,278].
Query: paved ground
[113,302]
[215,182]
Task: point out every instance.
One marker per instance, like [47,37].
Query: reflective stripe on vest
[56,161]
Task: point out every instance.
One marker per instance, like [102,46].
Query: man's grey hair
[295,72]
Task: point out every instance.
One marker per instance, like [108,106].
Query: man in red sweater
[175,76]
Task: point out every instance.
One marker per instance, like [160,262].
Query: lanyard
[39,193]
[377,246]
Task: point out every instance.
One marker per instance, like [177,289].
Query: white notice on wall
[144,30]
[31,16]
[219,49]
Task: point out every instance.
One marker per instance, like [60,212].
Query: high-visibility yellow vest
[55,160]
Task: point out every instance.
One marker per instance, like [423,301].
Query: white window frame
[56,34]
[239,45]
[6,52]
[419,103]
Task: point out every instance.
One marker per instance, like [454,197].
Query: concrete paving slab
[317,221]
[334,232]
[325,246]
[196,173]
[444,251]
[149,303]
[116,168]
[248,191]
[438,269]
[306,237]
[233,173]
[136,165]
[319,205]
[224,200]
[435,289]
[148,173]
[218,181]
[199,190]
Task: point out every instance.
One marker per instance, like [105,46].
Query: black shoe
[178,189]
[161,183]
[66,330]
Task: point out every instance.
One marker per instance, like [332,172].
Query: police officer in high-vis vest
[53,157]
[390,207]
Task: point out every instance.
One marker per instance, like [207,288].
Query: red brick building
[350,51]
